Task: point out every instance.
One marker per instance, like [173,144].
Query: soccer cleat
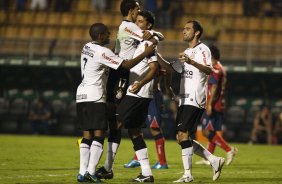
[91,178]
[217,165]
[131,164]
[81,178]
[102,173]
[230,155]
[159,166]
[202,162]
[140,178]
[184,179]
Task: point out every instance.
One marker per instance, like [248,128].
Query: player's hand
[186,59]
[169,92]
[149,49]
[135,87]
[147,35]
[181,54]
[209,110]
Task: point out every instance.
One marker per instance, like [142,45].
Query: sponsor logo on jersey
[204,57]
[187,74]
[81,96]
[87,53]
[185,95]
[132,32]
[109,59]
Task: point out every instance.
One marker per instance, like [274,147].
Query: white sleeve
[177,66]
[153,57]
[206,57]
[110,59]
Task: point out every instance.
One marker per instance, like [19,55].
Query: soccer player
[213,115]
[195,66]
[154,120]
[91,96]
[128,37]
[133,109]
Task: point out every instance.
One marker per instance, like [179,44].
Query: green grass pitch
[40,159]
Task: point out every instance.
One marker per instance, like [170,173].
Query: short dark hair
[148,15]
[215,52]
[97,29]
[197,27]
[127,5]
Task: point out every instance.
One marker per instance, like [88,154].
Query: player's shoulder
[91,46]
[128,24]
[219,66]
[203,47]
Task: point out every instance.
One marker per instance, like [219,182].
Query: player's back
[128,37]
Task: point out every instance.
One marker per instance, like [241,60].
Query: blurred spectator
[99,6]
[40,115]
[262,125]
[62,5]
[21,5]
[163,14]
[277,129]
[38,4]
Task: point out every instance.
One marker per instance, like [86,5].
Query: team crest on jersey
[119,94]
[192,56]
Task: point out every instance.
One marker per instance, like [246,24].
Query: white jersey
[128,37]
[95,63]
[193,85]
[139,71]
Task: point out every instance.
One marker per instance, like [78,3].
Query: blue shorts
[154,119]
[213,122]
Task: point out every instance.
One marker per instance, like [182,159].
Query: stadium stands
[38,24]
[46,43]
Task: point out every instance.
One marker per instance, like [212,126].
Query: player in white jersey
[91,96]
[129,35]
[133,109]
[195,66]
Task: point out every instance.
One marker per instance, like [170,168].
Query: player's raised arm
[132,62]
[148,77]
[164,63]
[204,68]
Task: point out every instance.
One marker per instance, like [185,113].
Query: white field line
[238,172]
[117,174]
[34,176]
